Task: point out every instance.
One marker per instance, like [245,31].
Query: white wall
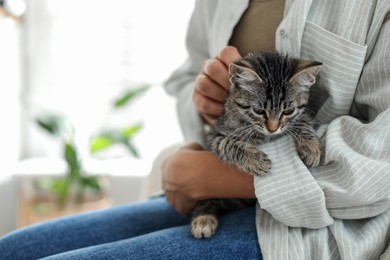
[8,205]
[10,118]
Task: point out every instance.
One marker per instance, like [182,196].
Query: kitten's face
[270,91]
[267,116]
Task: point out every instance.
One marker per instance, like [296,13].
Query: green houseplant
[75,186]
[108,137]
[75,179]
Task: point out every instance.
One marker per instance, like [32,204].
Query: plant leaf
[129,95]
[72,160]
[51,124]
[131,130]
[131,148]
[61,187]
[91,182]
[55,125]
[109,137]
[100,142]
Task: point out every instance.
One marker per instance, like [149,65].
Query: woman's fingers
[212,85]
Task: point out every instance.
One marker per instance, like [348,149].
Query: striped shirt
[341,209]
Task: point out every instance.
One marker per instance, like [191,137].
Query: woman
[339,210]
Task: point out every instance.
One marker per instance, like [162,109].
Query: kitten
[268,95]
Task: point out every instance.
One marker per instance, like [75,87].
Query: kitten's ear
[306,73]
[242,74]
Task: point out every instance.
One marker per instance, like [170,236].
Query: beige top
[256,29]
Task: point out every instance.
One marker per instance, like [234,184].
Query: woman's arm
[193,174]
[181,83]
[201,87]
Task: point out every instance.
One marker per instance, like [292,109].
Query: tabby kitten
[268,95]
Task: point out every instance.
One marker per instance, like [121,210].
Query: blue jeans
[145,230]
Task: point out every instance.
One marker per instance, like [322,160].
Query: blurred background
[82,107]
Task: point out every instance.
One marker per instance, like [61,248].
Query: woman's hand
[179,182]
[192,174]
[212,85]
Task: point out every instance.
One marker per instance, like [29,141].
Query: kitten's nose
[272,125]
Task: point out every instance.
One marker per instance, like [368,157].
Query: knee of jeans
[8,246]
[18,245]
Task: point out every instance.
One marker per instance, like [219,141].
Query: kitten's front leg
[242,154]
[308,146]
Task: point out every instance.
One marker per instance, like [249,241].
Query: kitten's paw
[262,167]
[310,152]
[257,163]
[204,226]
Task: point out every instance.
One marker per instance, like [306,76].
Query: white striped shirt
[341,209]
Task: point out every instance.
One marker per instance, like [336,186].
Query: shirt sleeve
[182,81]
[353,181]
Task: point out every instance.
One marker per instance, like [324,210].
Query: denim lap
[145,230]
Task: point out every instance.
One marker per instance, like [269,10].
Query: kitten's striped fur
[268,95]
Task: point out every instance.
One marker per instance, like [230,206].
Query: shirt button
[282,33]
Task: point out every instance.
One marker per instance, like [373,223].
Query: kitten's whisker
[295,135]
[250,136]
[241,131]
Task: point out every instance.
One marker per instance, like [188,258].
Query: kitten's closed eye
[292,111]
[243,106]
[288,112]
[260,112]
